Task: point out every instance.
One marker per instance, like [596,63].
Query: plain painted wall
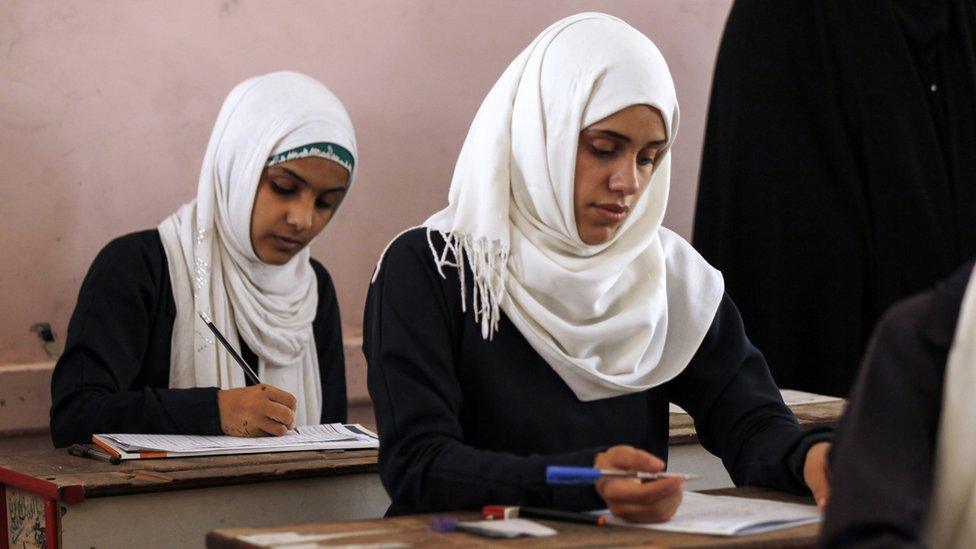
[106,108]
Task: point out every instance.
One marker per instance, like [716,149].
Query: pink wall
[106,108]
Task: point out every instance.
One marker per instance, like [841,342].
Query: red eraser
[499,512]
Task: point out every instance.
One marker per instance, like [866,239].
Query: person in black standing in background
[839,171]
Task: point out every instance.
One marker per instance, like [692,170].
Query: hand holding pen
[254,411]
[630,498]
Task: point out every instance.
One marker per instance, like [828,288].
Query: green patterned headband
[329,151]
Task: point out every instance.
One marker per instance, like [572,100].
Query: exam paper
[729,516]
[308,435]
[790,397]
[295,540]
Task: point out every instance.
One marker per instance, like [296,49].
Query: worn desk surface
[414,531]
[77,478]
[51,499]
[822,414]
[71,498]
[53,471]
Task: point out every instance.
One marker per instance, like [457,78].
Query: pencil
[81,450]
[247,369]
[565,516]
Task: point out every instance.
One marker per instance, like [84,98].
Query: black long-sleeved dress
[114,374]
[838,170]
[465,422]
[882,462]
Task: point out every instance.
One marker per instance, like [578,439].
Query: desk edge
[69,494]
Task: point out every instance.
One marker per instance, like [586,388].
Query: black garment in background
[834,180]
[114,374]
[466,422]
[882,462]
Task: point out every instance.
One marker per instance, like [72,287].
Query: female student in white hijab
[139,359]
[904,465]
[545,317]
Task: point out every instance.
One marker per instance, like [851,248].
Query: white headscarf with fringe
[610,319]
[265,120]
[951,518]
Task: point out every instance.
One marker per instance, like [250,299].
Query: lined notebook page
[729,516]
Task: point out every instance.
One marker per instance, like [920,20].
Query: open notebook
[331,436]
[729,516]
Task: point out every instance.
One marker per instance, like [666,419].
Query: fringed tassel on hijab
[487,260]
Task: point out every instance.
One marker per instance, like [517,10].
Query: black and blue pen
[556,474]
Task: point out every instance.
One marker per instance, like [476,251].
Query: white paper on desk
[729,516]
[790,397]
[295,539]
[521,526]
[311,436]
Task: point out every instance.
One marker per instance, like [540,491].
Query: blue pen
[556,474]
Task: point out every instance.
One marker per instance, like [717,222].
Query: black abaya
[839,171]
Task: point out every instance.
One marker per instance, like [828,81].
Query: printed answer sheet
[308,435]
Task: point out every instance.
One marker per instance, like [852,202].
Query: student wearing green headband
[139,359]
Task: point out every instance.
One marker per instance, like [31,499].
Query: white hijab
[213,267]
[613,318]
[951,520]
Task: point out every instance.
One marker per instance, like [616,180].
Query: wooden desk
[174,502]
[686,455]
[51,499]
[413,531]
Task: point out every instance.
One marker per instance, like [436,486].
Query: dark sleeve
[882,464]
[94,387]
[411,344]
[738,410]
[328,343]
